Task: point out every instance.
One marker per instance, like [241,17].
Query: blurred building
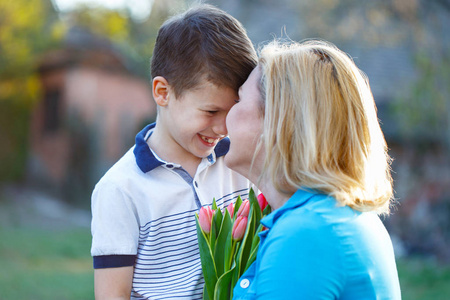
[92,107]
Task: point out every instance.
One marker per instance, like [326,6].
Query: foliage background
[402,45]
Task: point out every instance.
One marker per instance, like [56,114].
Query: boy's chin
[205,154]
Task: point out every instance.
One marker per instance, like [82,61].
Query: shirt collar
[147,161]
[145,158]
[300,198]
[222,147]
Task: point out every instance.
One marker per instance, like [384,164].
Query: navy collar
[147,161]
[222,147]
[145,158]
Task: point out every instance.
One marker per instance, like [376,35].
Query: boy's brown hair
[203,43]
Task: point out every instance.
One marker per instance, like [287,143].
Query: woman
[305,130]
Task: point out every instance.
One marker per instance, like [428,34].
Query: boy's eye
[237,100]
[211,112]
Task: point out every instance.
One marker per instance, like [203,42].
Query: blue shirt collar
[147,161]
[299,198]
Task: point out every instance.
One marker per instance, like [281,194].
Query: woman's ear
[160,89]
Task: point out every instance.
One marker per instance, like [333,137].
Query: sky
[140,9]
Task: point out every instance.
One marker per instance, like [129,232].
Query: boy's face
[195,122]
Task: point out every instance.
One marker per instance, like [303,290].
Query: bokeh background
[75,89]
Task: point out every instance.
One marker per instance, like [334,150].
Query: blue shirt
[316,249]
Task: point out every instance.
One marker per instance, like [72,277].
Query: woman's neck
[274,197]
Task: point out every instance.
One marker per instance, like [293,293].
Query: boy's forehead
[204,83]
[209,86]
[211,95]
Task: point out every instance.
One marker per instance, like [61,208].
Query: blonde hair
[321,129]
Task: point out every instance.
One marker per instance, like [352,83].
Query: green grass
[40,264]
[423,279]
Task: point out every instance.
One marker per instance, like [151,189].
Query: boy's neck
[162,147]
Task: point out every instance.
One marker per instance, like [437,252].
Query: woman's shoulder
[310,221]
[318,211]
[322,216]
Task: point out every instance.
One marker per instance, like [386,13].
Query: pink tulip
[205,218]
[244,209]
[262,201]
[230,209]
[239,227]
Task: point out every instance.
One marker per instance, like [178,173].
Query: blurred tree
[133,38]
[27,29]
[423,111]
[375,22]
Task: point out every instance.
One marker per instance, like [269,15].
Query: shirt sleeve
[115,229]
[300,262]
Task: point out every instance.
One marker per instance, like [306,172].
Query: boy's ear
[160,89]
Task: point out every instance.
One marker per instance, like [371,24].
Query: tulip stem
[230,259]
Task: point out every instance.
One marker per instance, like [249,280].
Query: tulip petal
[262,201]
[244,208]
[239,227]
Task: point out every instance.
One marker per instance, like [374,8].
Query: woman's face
[245,125]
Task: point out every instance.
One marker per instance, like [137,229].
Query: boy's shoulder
[134,162]
[122,170]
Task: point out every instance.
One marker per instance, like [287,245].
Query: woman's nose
[220,127]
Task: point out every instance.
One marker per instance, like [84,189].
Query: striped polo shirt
[144,216]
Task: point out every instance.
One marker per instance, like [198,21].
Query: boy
[144,233]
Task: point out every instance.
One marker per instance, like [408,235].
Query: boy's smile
[208,141]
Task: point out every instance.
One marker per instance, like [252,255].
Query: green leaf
[215,227]
[207,260]
[214,204]
[254,248]
[255,242]
[252,195]
[246,243]
[219,252]
[252,257]
[205,293]
[267,210]
[254,203]
[228,252]
[235,265]
[218,217]
[224,290]
[237,204]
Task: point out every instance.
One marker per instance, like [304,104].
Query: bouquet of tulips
[228,242]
